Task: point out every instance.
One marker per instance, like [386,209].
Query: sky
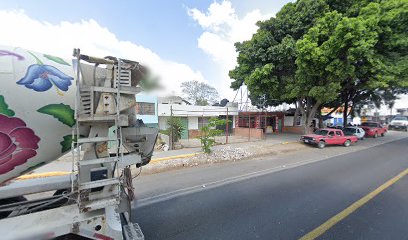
[180,40]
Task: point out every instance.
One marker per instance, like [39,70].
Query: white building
[192,116]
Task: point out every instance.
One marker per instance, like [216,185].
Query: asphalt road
[282,199]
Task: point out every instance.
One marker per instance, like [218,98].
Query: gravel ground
[222,154]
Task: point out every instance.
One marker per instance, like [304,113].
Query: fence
[240,127]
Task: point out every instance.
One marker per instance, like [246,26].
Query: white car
[356,131]
[399,122]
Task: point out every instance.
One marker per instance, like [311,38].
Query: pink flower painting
[18,143]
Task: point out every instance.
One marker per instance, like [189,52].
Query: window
[338,133]
[331,134]
[321,132]
[202,121]
[143,108]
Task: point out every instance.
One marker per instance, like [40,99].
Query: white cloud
[221,29]
[21,30]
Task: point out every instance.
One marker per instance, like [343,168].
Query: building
[146,110]
[257,124]
[193,117]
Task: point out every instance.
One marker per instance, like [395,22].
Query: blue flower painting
[42,77]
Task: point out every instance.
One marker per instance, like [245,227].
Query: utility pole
[227,129]
[171,129]
[249,117]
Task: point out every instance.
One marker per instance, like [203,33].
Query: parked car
[356,131]
[373,129]
[328,136]
[399,122]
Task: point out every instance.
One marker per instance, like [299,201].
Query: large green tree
[326,53]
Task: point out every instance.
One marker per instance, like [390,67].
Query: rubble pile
[223,154]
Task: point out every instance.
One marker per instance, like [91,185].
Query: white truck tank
[37,97]
[37,102]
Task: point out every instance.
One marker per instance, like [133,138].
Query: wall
[194,133]
[253,132]
[192,122]
[288,121]
[149,120]
[163,123]
[297,129]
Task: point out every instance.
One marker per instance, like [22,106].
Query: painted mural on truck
[36,110]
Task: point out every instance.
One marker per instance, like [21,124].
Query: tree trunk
[320,117]
[345,111]
[296,116]
[308,113]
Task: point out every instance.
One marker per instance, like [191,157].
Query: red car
[373,129]
[327,136]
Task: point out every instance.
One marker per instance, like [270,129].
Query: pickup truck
[327,136]
[373,129]
[399,122]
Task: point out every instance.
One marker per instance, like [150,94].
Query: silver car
[356,131]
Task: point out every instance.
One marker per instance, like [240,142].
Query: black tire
[347,143]
[321,144]
[383,134]
[375,135]
[406,129]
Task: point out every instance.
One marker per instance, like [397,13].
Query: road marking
[353,207]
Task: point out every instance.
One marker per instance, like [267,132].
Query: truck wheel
[375,135]
[321,144]
[347,143]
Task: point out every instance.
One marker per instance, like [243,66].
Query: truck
[328,136]
[399,123]
[85,108]
[373,129]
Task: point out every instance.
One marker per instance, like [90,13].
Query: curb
[175,157]
[42,175]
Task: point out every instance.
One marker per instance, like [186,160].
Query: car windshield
[400,119]
[369,124]
[321,132]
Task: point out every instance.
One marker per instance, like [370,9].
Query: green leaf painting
[4,108]
[64,113]
[66,143]
[56,59]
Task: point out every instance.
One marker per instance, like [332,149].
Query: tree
[174,129]
[326,53]
[199,93]
[209,132]
[353,55]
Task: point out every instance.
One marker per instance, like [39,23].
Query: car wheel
[375,135]
[406,129]
[347,143]
[321,144]
[383,134]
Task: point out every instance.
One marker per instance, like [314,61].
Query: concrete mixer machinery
[50,107]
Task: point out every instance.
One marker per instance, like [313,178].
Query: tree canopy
[199,93]
[327,53]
